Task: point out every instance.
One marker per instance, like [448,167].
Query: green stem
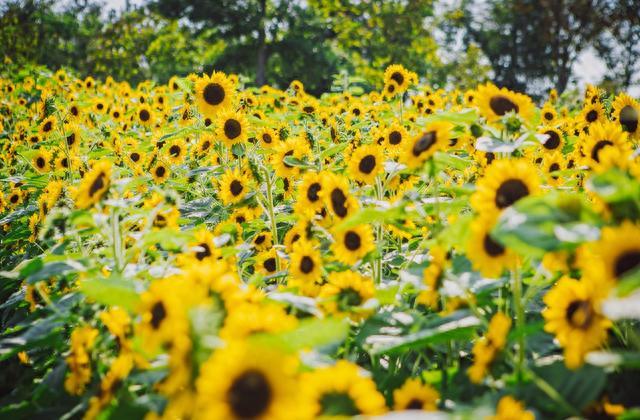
[519,316]
[117,241]
[272,217]
[552,393]
[379,235]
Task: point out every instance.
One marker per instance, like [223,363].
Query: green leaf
[372,215]
[462,117]
[55,268]
[112,291]
[555,221]
[578,387]
[457,329]
[310,333]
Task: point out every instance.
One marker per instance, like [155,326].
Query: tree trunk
[262,46]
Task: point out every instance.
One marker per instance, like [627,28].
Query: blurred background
[525,45]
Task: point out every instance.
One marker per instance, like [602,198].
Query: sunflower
[616,254]
[432,277]
[308,200]
[250,318]
[42,161]
[232,127]
[47,126]
[203,146]
[242,381]
[574,316]
[626,111]
[163,310]
[203,247]
[486,348]
[294,147]
[503,184]
[135,159]
[305,262]
[590,114]
[341,391]
[262,241]
[176,151]
[336,196]
[160,172]
[396,73]
[548,113]
[555,138]
[487,255]
[603,136]
[552,163]
[396,135]
[494,103]
[390,90]
[414,395]
[267,262]
[353,244]
[94,185]
[300,231]
[434,137]
[268,137]
[345,292]
[365,163]
[213,93]
[509,409]
[234,186]
[72,136]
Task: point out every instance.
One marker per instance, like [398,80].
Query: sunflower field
[207,250]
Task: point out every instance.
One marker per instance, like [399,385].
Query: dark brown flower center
[249,395]
[367,164]
[626,263]
[259,239]
[306,264]
[424,143]
[135,156]
[629,119]
[213,94]
[338,201]
[501,105]
[595,152]
[206,251]
[352,241]
[580,314]
[312,192]
[40,162]
[97,184]
[509,192]
[553,141]
[398,78]
[270,264]
[266,137]
[158,314]
[175,150]
[47,126]
[414,404]
[232,128]
[491,247]
[145,115]
[395,137]
[592,116]
[236,187]
[160,171]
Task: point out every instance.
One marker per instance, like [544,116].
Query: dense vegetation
[205,249]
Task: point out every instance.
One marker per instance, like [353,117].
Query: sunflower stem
[272,217]
[518,305]
[117,241]
[379,235]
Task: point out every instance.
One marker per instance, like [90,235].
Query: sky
[587,69]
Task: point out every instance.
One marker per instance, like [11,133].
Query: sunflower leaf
[310,333]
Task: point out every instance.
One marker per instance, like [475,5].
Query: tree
[532,44]
[619,44]
[374,34]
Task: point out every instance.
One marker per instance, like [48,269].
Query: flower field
[205,250]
